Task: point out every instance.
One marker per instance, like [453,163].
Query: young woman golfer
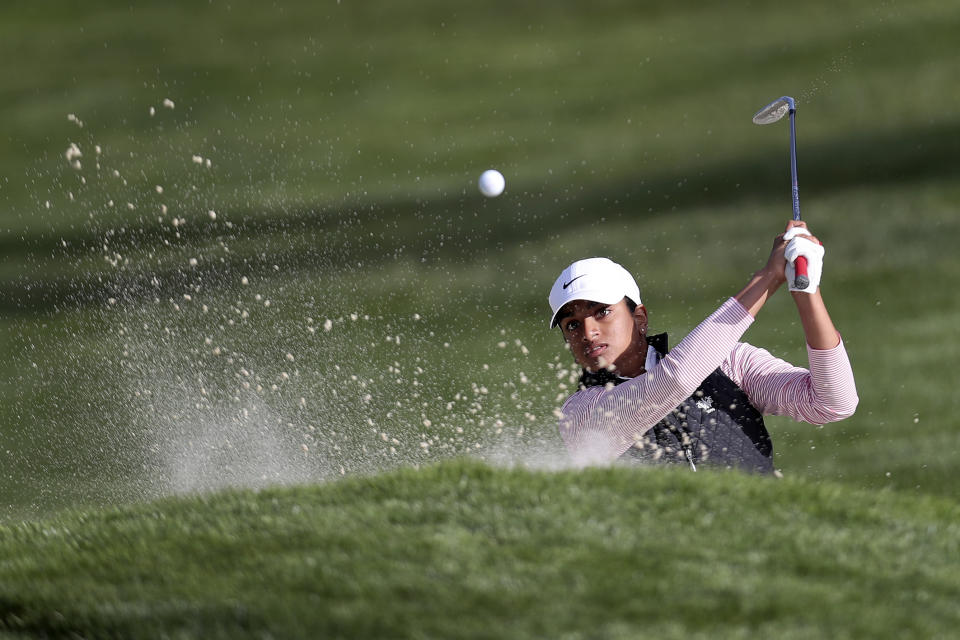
[703,401]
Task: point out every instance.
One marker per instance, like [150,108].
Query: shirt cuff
[734,313]
[822,352]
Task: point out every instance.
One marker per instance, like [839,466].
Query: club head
[774,111]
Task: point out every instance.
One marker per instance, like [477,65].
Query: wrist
[770,277]
[806,301]
[777,270]
[761,286]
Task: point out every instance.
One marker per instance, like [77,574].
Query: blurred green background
[243,244]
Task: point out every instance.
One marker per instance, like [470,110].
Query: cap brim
[591,295]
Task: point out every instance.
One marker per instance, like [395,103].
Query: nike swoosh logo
[572,281]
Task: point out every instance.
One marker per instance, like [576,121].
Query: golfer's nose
[590,328]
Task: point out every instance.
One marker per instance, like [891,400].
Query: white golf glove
[800,245]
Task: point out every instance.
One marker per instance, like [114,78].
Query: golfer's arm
[762,285]
[817,325]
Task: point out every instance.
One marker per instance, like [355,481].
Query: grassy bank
[465,550]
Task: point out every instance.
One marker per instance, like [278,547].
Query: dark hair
[631,304]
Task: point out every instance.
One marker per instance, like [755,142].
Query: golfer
[702,401]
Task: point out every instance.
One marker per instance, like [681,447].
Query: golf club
[770,114]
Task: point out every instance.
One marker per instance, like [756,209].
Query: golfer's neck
[632,363]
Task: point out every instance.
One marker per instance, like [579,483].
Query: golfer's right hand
[800,242]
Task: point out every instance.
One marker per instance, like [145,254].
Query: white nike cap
[596,279]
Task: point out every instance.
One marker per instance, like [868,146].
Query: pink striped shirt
[600,423]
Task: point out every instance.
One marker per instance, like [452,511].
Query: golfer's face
[601,335]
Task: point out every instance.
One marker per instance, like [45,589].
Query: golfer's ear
[640,316]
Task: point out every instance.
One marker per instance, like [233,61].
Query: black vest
[716,425]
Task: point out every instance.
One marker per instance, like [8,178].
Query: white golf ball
[491,183]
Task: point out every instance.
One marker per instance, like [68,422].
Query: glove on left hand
[800,245]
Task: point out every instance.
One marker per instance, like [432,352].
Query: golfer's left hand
[800,242]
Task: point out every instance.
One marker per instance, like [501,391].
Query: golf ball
[491,183]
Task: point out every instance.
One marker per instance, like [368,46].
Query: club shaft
[793,165]
[801,280]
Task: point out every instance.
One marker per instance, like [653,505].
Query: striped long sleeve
[824,393]
[598,424]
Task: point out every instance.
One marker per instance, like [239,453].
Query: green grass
[465,550]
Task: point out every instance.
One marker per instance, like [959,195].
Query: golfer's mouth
[594,351]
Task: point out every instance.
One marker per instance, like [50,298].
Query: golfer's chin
[594,365]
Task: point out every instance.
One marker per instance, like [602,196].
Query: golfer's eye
[604,312]
[571,326]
